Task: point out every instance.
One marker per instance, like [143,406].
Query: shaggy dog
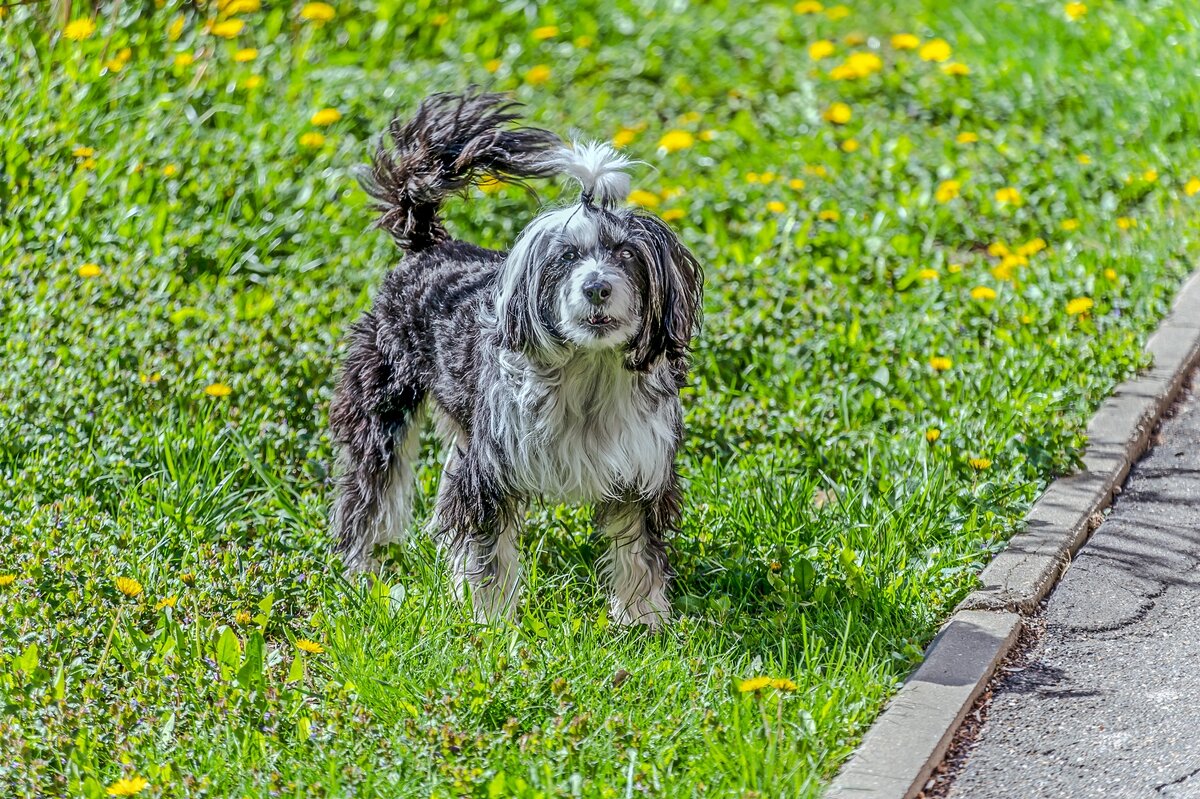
[552,370]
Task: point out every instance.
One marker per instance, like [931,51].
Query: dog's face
[588,277]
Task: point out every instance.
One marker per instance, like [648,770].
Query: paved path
[1107,703]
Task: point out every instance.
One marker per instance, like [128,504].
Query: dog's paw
[653,613]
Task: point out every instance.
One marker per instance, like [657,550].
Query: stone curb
[910,738]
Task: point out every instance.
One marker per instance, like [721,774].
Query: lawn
[935,235]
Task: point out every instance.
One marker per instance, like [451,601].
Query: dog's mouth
[599,321]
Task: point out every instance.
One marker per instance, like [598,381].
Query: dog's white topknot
[599,169]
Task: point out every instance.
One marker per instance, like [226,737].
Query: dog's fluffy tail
[451,142]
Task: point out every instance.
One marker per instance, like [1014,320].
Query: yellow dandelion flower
[325,117]
[114,65]
[906,41]
[796,183]
[672,215]
[997,249]
[844,72]
[83,152]
[967,137]
[242,617]
[7,579]
[490,185]
[932,434]
[188,578]
[166,602]
[808,7]
[752,177]
[675,140]
[822,48]
[828,216]
[583,42]
[537,75]
[1026,319]
[850,145]
[1192,187]
[89,270]
[1110,274]
[128,586]
[854,39]
[837,12]
[545,32]
[783,684]
[1075,10]
[317,12]
[79,29]
[312,140]
[1003,271]
[1126,222]
[817,169]
[1032,247]
[1008,196]
[623,137]
[245,54]
[1084,159]
[935,50]
[838,114]
[1069,224]
[947,190]
[241,7]
[940,363]
[643,198]
[928,274]
[776,207]
[170,170]
[175,30]
[493,65]
[954,269]
[979,464]
[1150,175]
[227,29]
[864,64]
[708,135]
[753,684]
[956,69]
[983,293]
[1079,306]
[128,787]
[311,647]
[184,60]
[218,390]
[252,82]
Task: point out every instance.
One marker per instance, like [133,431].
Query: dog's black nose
[597,291]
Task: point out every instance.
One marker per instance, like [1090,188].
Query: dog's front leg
[636,563]
[478,530]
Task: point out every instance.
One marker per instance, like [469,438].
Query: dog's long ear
[672,297]
[519,302]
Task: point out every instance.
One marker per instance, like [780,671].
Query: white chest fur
[584,431]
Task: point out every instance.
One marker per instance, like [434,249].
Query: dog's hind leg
[376,416]
[479,532]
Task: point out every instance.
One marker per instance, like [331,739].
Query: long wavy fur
[450,142]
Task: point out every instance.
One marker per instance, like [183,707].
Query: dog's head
[597,276]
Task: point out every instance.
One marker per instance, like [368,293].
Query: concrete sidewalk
[1106,702]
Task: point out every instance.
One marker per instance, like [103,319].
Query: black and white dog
[552,370]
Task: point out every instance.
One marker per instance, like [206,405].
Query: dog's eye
[625,253]
[569,255]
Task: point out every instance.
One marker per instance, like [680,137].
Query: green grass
[825,537]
